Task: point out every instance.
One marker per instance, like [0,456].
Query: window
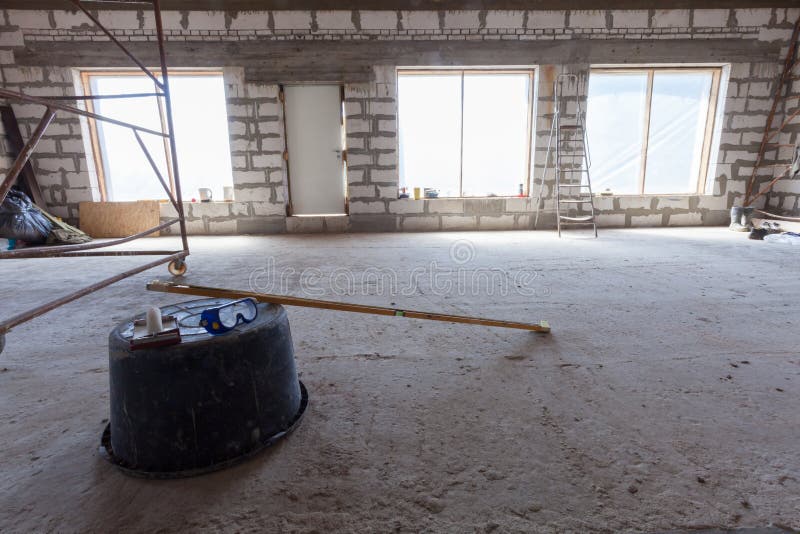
[650,129]
[201,135]
[465,132]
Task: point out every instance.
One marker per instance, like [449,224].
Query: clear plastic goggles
[224,318]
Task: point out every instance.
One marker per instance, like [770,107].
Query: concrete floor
[665,399]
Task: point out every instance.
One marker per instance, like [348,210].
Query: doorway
[315,143]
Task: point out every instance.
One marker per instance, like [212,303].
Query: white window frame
[94,137]
[532,79]
[716,72]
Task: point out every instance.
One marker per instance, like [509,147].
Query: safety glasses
[221,319]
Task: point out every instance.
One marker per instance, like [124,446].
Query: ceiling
[251,5]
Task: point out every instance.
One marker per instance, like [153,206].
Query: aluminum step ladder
[568,156]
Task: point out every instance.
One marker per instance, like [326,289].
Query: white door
[314,141]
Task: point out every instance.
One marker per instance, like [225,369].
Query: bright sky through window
[201,133]
[464,133]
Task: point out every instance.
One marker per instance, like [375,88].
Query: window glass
[496,115]
[615,129]
[488,156]
[429,108]
[128,174]
[201,135]
[678,114]
[672,111]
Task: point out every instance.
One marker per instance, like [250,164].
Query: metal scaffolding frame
[175,258]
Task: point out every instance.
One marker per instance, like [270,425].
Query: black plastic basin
[206,403]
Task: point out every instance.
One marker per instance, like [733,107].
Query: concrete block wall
[257,143]
[784,197]
[360,50]
[372,151]
[59,160]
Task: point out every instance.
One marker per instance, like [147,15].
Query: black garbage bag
[20,219]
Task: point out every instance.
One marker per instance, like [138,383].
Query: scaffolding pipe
[174,258]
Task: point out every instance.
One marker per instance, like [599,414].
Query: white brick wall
[383,142]
[743,121]
[268,160]
[170,19]
[25,18]
[359,207]
[56,164]
[335,20]
[68,19]
[670,18]
[292,20]
[253,194]
[753,17]
[378,20]
[383,108]
[653,219]
[248,177]
[387,159]
[420,20]
[505,19]
[388,191]
[772,35]
[546,19]
[611,220]
[11,38]
[384,176]
[355,160]
[634,202]
[124,20]
[631,19]
[237,128]
[713,18]
[420,224]
[23,74]
[461,19]
[445,205]
[261,208]
[261,91]
[250,20]
[459,222]
[358,126]
[674,203]
[587,19]
[275,144]
[747,121]
[361,191]
[685,219]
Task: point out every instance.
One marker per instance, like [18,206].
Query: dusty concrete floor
[666,397]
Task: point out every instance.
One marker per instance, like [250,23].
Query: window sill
[650,195]
[467,198]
